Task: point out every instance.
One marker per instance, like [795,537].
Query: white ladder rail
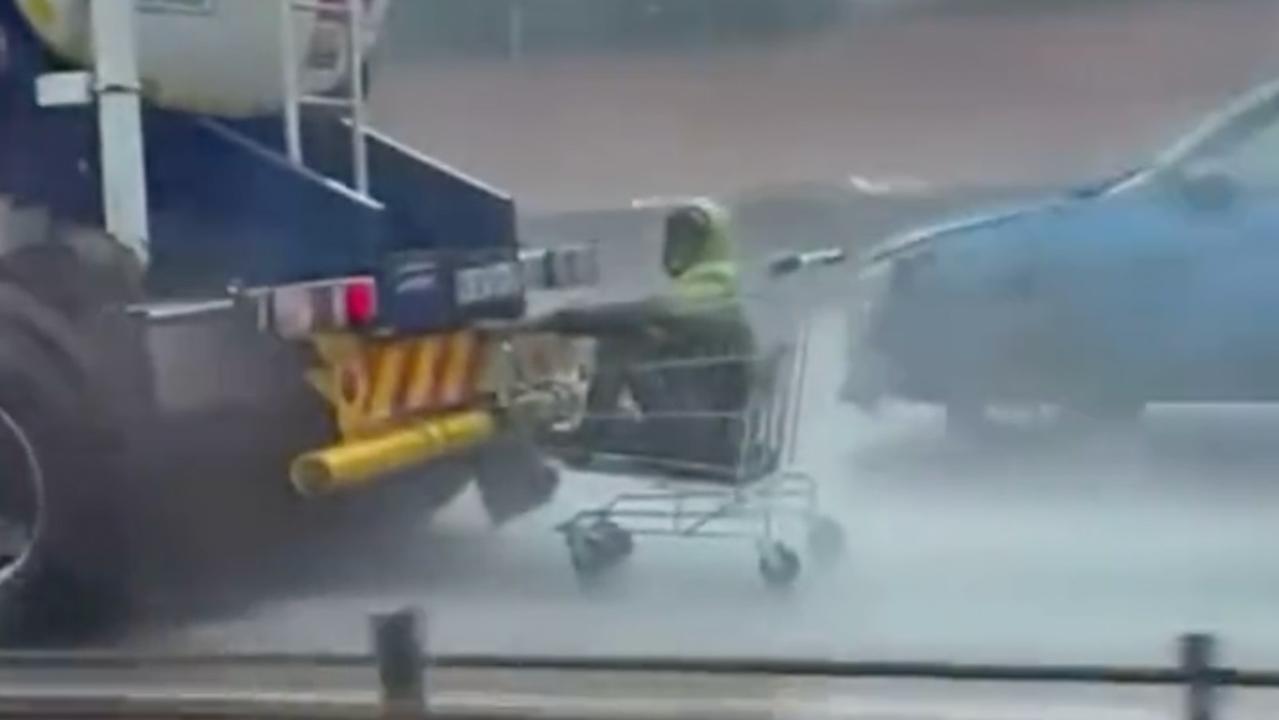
[295,99]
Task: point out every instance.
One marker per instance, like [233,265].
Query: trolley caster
[779,565]
[597,547]
[826,539]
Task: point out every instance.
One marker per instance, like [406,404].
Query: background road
[1045,545]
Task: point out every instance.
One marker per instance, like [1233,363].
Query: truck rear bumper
[354,464]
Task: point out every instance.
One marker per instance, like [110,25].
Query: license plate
[489,283]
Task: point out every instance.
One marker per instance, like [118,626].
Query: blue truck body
[251,362]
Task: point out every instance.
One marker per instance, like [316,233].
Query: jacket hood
[716,244]
[710,272]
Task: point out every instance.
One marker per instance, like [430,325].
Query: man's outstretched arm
[626,317]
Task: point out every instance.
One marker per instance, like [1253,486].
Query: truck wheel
[58,546]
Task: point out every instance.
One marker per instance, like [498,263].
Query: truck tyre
[59,546]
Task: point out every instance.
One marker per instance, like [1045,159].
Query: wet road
[1046,545]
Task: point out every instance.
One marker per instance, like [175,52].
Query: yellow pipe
[359,463]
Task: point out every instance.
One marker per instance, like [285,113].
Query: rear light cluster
[561,268]
[304,309]
[424,292]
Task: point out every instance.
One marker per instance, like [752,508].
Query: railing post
[1198,654]
[400,665]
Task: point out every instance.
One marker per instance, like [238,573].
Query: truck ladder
[353,16]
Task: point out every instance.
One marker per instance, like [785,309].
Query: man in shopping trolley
[684,356]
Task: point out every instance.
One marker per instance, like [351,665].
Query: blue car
[1160,285]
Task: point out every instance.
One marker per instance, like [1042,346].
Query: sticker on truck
[489,283]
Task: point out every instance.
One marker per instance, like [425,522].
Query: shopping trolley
[742,494]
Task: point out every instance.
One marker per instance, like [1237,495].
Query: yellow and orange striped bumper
[401,402]
[376,385]
[397,402]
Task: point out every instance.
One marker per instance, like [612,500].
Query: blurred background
[589,104]
[833,122]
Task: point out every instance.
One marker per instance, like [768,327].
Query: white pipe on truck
[119,88]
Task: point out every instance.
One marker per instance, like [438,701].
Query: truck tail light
[304,309]
[360,299]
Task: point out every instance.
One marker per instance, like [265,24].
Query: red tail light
[298,311]
[360,299]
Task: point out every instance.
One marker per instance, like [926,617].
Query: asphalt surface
[1049,544]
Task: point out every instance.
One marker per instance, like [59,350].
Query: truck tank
[209,56]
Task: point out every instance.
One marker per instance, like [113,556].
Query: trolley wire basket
[713,472]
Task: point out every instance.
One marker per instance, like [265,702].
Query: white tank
[220,57]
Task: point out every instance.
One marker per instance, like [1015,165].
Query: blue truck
[222,291]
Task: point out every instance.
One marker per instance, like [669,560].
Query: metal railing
[296,98]
[403,668]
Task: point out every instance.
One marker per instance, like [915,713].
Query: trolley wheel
[826,539]
[597,547]
[779,565]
